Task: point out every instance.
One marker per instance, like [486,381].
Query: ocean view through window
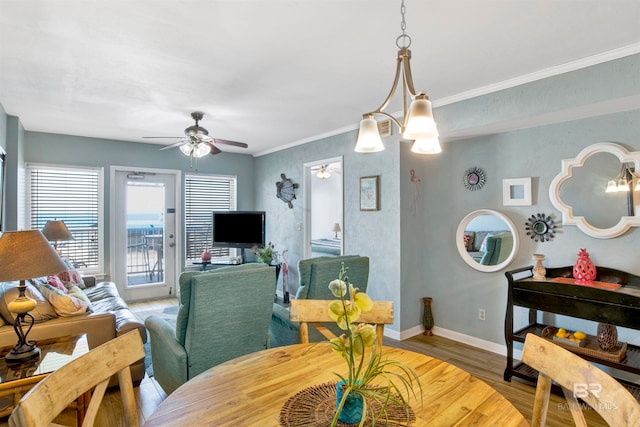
[74,195]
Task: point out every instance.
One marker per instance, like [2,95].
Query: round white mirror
[487,240]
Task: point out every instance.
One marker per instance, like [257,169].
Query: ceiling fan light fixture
[323,173]
[201,149]
[186,148]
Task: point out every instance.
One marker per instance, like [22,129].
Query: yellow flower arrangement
[392,377]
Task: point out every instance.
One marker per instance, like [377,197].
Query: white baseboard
[455,336]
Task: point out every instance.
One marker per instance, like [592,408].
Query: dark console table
[600,303]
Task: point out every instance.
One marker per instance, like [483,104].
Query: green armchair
[223,314]
[314,277]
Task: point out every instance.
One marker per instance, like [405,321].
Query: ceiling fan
[197,142]
[324,171]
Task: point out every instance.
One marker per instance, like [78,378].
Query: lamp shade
[27,254]
[369,140]
[419,121]
[56,230]
[336,228]
[426,146]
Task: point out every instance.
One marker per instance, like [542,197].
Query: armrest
[168,356]
[89,281]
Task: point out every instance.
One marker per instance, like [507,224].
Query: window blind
[203,195]
[74,195]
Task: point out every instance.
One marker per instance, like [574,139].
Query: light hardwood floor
[483,364]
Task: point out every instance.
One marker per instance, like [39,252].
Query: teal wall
[431,260]
[412,245]
[431,265]
[73,150]
[411,240]
[374,234]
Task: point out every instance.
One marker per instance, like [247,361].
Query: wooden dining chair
[52,395]
[315,312]
[578,379]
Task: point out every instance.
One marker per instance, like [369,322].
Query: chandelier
[417,122]
[624,181]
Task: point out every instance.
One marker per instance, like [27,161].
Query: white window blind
[203,195]
[74,195]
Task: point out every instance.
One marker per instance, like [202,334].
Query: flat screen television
[238,229]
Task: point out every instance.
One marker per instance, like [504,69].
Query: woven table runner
[316,406]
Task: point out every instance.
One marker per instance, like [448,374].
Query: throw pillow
[64,305]
[75,291]
[71,276]
[9,292]
[56,283]
[468,241]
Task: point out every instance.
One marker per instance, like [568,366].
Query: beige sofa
[109,317]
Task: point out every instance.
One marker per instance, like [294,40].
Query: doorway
[143,254]
[323,213]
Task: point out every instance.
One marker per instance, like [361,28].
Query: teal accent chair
[223,314]
[314,277]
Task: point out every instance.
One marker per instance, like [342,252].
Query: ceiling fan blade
[162,137]
[234,143]
[174,145]
[214,150]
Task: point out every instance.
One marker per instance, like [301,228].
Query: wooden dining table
[253,390]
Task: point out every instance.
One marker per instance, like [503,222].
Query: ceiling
[275,73]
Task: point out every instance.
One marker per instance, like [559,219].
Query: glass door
[145,257]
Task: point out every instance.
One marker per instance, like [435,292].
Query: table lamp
[336,229]
[25,255]
[55,230]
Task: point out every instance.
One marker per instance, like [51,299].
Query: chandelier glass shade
[369,140]
[625,180]
[417,122]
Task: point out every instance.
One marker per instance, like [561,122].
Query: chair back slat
[316,312]
[603,393]
[52,395]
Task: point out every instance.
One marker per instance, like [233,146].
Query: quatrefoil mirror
[590,194]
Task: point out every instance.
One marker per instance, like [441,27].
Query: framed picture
[369,193]
[516,192]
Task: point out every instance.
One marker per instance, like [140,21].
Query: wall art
[369,193]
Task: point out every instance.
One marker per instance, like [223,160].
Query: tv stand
[617,305]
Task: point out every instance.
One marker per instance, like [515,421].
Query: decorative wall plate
[540,227]
[474,178]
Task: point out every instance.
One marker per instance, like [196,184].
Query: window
[74,195]
[204,194]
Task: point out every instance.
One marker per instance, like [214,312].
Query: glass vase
[353,407]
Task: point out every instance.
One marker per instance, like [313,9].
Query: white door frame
[307,214]
[172,282]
